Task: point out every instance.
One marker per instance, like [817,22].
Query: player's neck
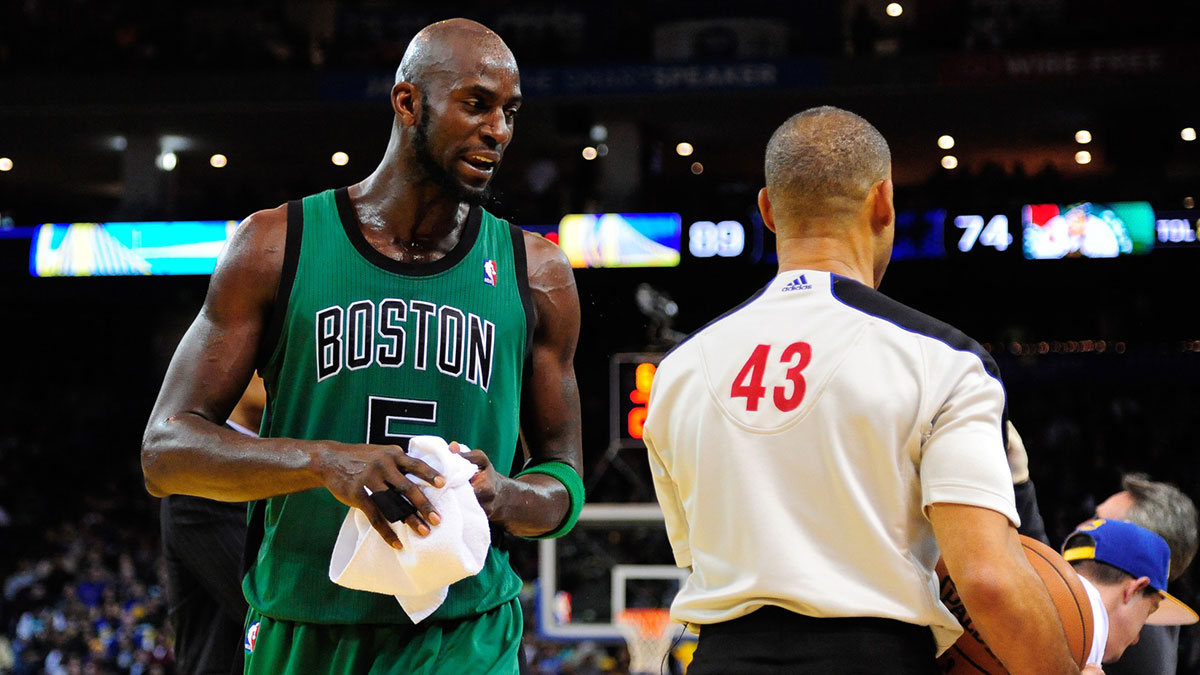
[391,205]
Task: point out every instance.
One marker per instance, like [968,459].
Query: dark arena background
[118,112]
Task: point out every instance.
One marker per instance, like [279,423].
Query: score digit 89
[726,239]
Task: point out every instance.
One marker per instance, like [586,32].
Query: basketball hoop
[648,633]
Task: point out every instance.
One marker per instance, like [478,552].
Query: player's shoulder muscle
[551,284]
[248,270]
[548,264]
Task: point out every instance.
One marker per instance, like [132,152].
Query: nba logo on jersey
[797,284]
[251,637]
[489,272]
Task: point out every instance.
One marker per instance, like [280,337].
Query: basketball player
[202,543]
[815,448]
[391,308]
[1124,569]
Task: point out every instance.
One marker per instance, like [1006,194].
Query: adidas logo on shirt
[797,284]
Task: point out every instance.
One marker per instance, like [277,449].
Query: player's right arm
[186,448]
[1007,601]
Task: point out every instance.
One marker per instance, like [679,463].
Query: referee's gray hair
[1165,510]
[823,160]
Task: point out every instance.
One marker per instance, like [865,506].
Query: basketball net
[649,634]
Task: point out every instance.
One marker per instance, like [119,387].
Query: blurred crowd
[41,34]
[85,598]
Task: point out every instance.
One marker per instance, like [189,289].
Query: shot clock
[631,375]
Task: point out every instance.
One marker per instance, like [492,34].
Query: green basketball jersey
[370,349]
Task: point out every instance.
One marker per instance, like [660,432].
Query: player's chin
[474,192]
[475,196]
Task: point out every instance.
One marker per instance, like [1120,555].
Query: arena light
[1188,133]
[1083,157]
[1189,202]
[167,161]
[601,150]
[589,153]
[697,168]
[949,162]
[598,133]
[1083,137]
[340,158]
[684,149]
[945,141]
[894,9]
[6,164]
[218,161]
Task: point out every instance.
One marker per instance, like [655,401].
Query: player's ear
[764,209]
[406,98]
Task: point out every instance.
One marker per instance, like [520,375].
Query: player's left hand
[488,483]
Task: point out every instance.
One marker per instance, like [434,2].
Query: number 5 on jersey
[749,381]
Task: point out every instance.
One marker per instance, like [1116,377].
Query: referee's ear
[883,206]
[764,208]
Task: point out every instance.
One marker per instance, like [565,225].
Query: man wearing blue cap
[1124,569]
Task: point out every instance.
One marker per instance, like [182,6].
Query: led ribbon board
[1087,230]
[128,249]
[621,239]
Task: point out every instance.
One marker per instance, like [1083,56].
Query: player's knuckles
[381,465]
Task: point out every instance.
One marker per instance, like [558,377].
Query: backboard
[617,557]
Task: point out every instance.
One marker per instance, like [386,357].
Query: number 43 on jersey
[749,381]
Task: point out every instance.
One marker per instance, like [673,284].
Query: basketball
[971,656]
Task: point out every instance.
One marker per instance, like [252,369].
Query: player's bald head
[452,48]
[824,161]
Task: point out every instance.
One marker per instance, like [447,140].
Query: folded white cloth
[420,574]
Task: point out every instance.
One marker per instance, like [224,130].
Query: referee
[815,449]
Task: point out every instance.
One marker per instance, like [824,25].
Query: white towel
[420,574]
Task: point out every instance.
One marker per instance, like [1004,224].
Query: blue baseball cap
[1136,551]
